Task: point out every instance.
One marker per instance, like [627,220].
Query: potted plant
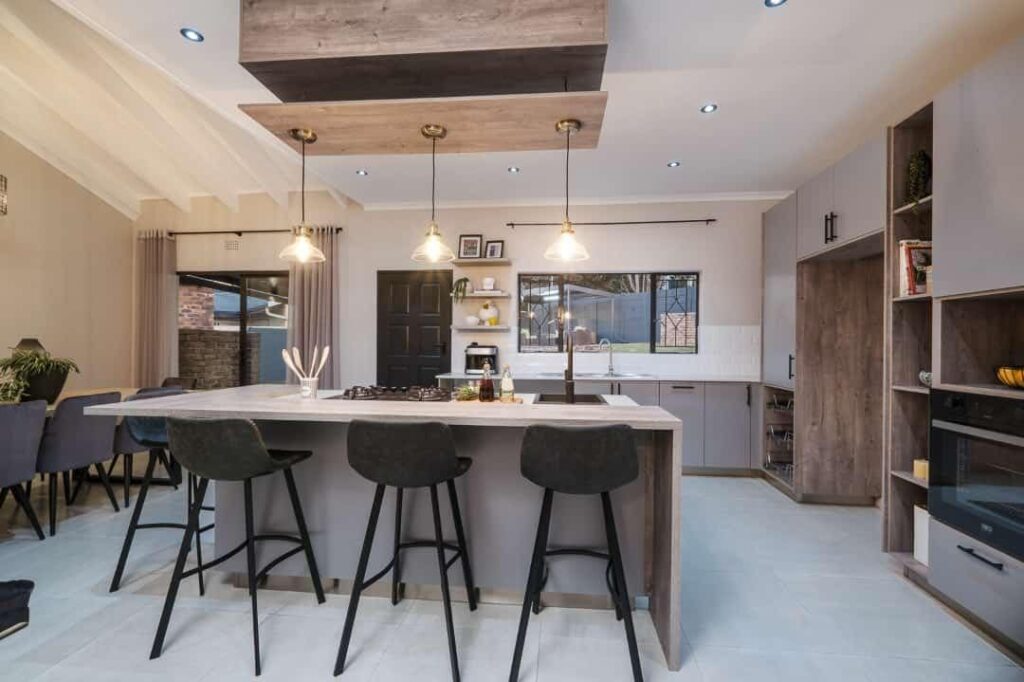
[460,288]
[33,375]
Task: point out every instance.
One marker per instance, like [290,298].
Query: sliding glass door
[232,328]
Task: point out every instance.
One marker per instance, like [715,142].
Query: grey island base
[500,508]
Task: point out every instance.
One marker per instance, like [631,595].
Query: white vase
[472,320]
[489,314]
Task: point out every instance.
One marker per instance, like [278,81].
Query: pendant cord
[433,179]
[303,182]
[567,134]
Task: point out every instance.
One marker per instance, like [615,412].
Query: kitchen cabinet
[594,387]
[845,201]
[779,330]
[685,399]
[642,392]
[978,214]
[726,426]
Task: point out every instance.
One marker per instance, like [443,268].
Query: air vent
[231,245]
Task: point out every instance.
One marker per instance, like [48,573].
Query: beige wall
[65,270]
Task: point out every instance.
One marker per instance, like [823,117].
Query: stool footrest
[221,559]
[410,545]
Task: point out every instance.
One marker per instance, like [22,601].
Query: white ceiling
[798,86]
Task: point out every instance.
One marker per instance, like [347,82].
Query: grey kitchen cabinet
[594,387]
[726,426]
[978,147]
[685,399]
[845,201]
[778,347]
[642,392]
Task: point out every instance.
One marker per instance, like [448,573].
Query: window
[636,312]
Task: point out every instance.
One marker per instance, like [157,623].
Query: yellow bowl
[1011,376]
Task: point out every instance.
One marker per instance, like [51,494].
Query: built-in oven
[477,356]
[976,480]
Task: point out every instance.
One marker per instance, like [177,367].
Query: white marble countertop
[592,377]
[282,403]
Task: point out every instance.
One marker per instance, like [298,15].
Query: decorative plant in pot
[33,375]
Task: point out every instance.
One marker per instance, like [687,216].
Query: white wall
[65,270]
[727,255]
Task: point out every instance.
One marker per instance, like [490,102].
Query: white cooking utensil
[289,364]
[297,356]
[313,361]
[323,360]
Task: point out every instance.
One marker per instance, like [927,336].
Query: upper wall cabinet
[779,340]
[978,214]
[844,202]
[325,50]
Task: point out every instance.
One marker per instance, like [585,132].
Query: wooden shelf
[481,328]
[909,477]
[915,297]
[480,262]
[488,294]
[922,390]
[924,205]
[995,390]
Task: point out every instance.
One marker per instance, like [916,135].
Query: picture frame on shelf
[471,246]
[494,248]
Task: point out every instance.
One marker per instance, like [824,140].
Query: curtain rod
[702,221]
[239,233]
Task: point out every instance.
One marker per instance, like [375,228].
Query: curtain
[313,306]
[156,338]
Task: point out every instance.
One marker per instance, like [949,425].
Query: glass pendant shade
[433,249]
[567,249]
[302,249]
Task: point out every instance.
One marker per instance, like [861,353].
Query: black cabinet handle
[791,359]
[683,388]
[748,395]
[970,552]
[826,228]
[832,236]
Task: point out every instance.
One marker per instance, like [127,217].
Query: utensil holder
[308,388]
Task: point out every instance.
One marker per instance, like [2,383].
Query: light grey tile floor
[772,592]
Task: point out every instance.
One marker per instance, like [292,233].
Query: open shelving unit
[499,268]
[909,347]
[779,452]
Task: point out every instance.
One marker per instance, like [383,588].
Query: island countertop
[267,402]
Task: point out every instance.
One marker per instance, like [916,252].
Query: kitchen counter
[500,507]
[625,377]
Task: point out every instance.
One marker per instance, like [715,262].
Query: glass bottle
[508,388]
[487,385]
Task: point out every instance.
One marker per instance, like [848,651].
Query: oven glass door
[977,484]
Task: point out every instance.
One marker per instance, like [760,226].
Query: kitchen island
[500,508]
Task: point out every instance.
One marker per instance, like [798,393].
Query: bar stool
[408,455]
[151,433]
[578,461]
[233,450]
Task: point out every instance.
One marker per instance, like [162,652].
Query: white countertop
[283,403]
[592,377]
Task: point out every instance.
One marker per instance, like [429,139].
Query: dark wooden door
[414,326]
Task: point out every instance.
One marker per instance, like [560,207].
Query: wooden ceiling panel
[475,124]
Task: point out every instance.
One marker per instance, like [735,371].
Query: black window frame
[652,330]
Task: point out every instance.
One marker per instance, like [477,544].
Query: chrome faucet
[611,355]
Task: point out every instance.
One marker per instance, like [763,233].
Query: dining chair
[21,430]
[186,384]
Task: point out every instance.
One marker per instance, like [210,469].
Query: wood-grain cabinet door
[815,200]
[727,426]
[860,192]
[685,399]
[779,341]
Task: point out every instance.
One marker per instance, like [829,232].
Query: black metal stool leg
[467,570]
[620,583]
[250,560]
[129,537]
[18,493]
[396,569]
[3,496]
[179,568]
[307,546]
[193,488]
[445,592]
[53,504]
[105,481]
[536,567]
[357,585]
[128,462]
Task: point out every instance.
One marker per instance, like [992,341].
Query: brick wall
[211,357]
[195,307]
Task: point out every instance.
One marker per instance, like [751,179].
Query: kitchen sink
[559,399]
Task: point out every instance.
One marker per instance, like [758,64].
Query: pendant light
[433,249]
[302,250]
[567,248]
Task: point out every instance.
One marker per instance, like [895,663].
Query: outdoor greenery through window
[636,312]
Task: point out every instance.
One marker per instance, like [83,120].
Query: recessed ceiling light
[513,169]
[192,34]
[709,108]
[774,3]
[363,172]
[672,164]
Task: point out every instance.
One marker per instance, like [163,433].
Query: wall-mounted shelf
[480,328]
[489,294]
[911,478]
[922,390]
[914,297]
[994,390]
[918,206]
[481,262]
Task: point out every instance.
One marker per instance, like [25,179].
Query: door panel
[685,400]
[414,318]
[860,191]
[814,200]
[727,426]
[779,341]
[642,392]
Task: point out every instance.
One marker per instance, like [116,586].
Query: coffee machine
[477,356]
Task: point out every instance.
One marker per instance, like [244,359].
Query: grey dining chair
[21,429]
[73,441]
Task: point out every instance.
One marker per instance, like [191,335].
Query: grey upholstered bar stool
[125,446]
[578,461]
[21,429]
[233,450]
[408,455]
[73,441]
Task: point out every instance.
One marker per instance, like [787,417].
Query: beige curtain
[156,315]
[313,291]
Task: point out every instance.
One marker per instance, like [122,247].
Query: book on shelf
[915,261]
